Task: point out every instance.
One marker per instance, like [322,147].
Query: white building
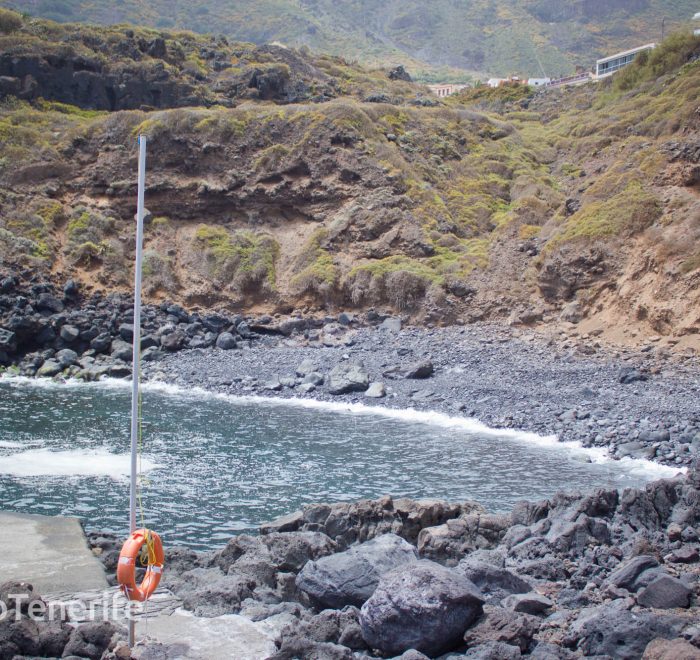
[446,89]
[538,82]
[696,31]
[609,65]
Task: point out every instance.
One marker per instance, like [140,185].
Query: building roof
[626,52]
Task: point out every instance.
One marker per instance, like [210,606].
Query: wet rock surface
[526,593]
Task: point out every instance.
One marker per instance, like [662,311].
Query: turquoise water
[217,466]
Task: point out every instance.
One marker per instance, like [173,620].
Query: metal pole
[136,355]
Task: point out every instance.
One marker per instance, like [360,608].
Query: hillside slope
[509,36]
[574,206]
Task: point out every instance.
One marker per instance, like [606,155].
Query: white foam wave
[70,463]
[6,444]
[641,467]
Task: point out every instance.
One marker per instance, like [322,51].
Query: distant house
[538,82]
[446,89]
[609,65]
[696,31]
[511,80]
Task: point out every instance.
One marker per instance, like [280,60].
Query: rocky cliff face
[127,69]
[578,206]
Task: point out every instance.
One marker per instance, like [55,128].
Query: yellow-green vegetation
[241,260]
[493,98]
[86,236]
[29,231]
[624,214]
[36,134]
[158,273]
[67,109]
[527,232]
[317,271]
[690,265]
[10,21]
[271,158]
[676,51]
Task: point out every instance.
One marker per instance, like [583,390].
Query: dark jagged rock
[422,606]
[352,522]
[90,640]
[664,592]
[626,576]
[528,603]
[500,625]
[350,577]
[610,630]
[399,73]
[226,341]
[346,378]
[423,369]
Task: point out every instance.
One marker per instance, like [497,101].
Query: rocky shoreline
[604,575]
[608,574]
[637,403]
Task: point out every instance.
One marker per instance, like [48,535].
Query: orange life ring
[126,568]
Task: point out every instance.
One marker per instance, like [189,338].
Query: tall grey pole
[136,356]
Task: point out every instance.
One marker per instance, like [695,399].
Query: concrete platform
[194,638]
[165,631]
[50,552]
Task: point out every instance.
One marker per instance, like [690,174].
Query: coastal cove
[217,465]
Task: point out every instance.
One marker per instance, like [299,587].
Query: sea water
[213,466]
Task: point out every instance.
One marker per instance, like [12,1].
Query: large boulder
[422,369]
[173,341]
[69,333]
[500,625]
[348,377]
[350,577]
[627,575]
[90,640]
[226,341]
[422,606]
[611,630]
[49,303]
[494,582]
[66,357]
[665,592]
[49,369]
[121,350]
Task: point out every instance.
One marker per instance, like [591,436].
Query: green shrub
[242,260]
[158,273]
[670,55]
[86,235]
[10,21]
[625,214]
[318,273]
